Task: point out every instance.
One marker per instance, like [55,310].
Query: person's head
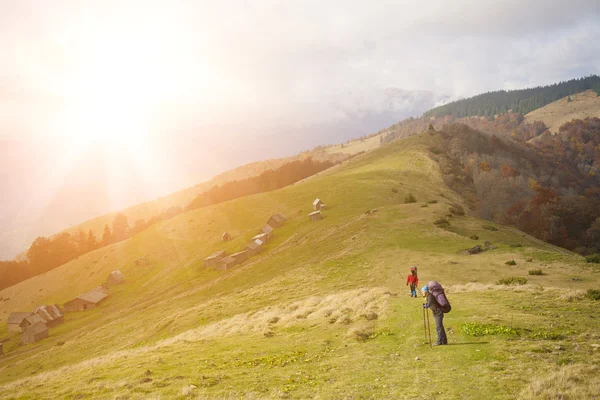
[413,270]
[425,291]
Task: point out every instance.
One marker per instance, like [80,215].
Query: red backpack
[440,296]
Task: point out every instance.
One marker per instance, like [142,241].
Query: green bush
[457,209]
[593,294]
[489,228]
[478,330]
[442,223]
[512,281]
[474,237]
[511,262]
[594,258]
[410,199]
[515,245]
[535,272]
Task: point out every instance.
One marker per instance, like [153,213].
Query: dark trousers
[439,326]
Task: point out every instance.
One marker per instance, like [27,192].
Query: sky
[104,96]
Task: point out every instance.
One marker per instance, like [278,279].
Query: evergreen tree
[107,237]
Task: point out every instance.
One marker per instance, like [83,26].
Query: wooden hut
[226,236]
[15,319]
[318,205]
[226,263]
[32,320]
[240,256]
[315,215]
[214,258]
[53,315]
[268,230]
[276,220]
[255,247]
[86,301]
[34,333]
[115,277]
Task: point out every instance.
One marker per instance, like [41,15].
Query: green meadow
[323,310]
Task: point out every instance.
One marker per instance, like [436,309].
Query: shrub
[478,330]
[593,294]
[515,245]
[594,258]
[511,262]
[529,259]
[535,272]
[410,199]
[512,281]
[490,228]
[457,209]
[424,205]
[474,237]
[442,223]
[432,202]
[548,336]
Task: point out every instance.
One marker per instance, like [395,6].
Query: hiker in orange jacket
[413,280]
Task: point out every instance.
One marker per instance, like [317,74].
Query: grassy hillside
[323,311]
[554,115]
[184,197]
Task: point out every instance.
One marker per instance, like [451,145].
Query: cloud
[275,63]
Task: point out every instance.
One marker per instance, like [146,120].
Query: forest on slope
[518,101]
[549,189]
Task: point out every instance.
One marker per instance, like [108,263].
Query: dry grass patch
[569,382]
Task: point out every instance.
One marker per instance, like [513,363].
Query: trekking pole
[429,326]
[424,324]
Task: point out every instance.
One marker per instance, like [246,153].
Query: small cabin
[34,333]
[226,236]
[276,220]
[15,319]
[315,215]
[240,256]
[115,277]
[268,229]
[32,320]
[318,205]
[226,263]
[86,301]
[255,247]
[214,258]
[52,315]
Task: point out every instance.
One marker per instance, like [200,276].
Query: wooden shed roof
[17,317]
[93,296]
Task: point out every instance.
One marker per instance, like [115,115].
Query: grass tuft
[511,262]
[512,281]
[535,272]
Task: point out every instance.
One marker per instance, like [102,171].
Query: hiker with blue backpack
[437,302]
